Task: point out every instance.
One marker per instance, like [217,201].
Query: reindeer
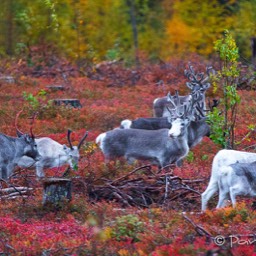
[53,154]
[197,83]
[237,179]
[161,147]
[223,159]
[14,148]
[197,129]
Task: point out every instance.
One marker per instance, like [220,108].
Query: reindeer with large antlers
[161,147]
[53,154]
[13,149]
[197,83]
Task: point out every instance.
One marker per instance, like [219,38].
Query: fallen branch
[142,190]
[201,231]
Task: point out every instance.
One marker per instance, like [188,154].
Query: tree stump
[55,88]
[56,191]
[75,103]
[8,79]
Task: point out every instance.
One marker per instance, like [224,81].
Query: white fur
[176,128]
[126,124]
[223,159]
[236,180]
[52,154]
[99,140]
[155,100]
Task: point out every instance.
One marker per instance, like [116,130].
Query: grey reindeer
[161,147]
[197,83]
[14,148]
[197,129]
[53,154]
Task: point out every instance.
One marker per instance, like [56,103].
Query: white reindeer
[53,154]
[237,179]
[223,158]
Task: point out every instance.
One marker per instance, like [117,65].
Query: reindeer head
[183,115]
[28,140]
[73,151]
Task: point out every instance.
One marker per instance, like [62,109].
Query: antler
[18,131]
[69,140]
[178,109]
[31,124]
[198,81]
[82,140]
[194,78]
[193,105]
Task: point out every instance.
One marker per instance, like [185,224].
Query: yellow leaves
[178,30]
[90,148]
[228,211]
[141,253]
[194,27]
[237,219]
[123,252]
[106,234]
[180,35]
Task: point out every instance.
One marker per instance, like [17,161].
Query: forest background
[89,31]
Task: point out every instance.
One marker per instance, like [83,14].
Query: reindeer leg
[208,193]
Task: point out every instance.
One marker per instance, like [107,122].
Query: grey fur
[160,147]
[196,130]
[13,149]
[150,123]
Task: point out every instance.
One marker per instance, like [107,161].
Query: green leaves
[226,47]
[216,122]
[127,226]
[222,127]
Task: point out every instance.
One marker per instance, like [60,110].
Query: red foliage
[85,227]
[36,236]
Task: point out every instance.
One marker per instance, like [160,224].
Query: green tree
[223,127]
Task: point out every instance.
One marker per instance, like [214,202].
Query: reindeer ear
[206,86]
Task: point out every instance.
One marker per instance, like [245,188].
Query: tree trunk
[9,26]
[56,191]
[131,5]
[253,45]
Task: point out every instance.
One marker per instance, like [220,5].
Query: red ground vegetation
[94,226]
